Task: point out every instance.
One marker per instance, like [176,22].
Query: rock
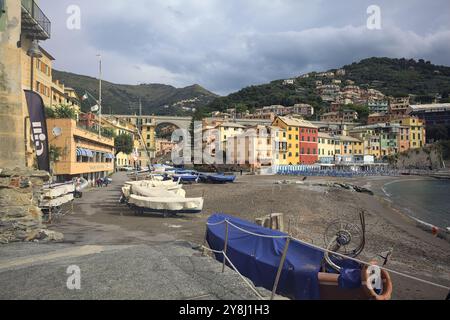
[13,197]
[20,218]
[48,235]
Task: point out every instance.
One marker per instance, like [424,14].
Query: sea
[426,200]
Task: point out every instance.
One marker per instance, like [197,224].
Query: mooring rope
[235,269]
[335,254]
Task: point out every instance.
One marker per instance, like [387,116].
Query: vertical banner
[38,128]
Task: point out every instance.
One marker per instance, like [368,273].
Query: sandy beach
[307,209]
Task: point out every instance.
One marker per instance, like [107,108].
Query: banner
[36,110]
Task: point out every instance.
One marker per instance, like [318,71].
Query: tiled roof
[295,122]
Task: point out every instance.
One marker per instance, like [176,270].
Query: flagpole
[100,97]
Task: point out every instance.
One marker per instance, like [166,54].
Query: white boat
[56,202]
[146,191]
[165,205]
[153,183]
[57,190]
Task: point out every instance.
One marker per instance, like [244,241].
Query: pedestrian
[241,172]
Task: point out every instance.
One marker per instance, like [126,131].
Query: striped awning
[85,152]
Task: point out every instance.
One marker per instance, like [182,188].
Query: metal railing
[37,14]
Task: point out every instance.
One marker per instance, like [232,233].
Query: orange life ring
[387,284]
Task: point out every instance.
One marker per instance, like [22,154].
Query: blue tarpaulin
[258,258]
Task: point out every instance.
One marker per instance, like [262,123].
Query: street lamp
[33,52]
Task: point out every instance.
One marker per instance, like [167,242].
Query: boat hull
[258,258]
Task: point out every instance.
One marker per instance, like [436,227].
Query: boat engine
[346,238]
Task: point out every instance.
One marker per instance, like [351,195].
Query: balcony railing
[34,22]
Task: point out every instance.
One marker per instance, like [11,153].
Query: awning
[109,156]
[85,152]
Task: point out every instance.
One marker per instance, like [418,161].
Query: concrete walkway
[167,271]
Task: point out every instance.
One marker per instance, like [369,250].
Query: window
[314,151]
[296,137]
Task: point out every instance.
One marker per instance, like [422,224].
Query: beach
[98,220]
[307,208]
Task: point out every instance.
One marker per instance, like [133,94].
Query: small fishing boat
[257,253]
[165,205]
[186,177]
[217,178]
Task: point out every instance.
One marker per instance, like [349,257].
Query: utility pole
[100,97]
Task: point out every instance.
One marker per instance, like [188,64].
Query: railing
[37,14]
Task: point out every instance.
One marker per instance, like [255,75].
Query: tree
[123,143]
[61,112]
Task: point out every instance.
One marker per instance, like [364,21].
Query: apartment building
[302,140]
[398,106]
[83,153]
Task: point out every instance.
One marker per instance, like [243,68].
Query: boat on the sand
[257,253]
[165,205]
[217,178]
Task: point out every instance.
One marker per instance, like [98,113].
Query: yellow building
[82,152]
[348,146]
[417,132]
[327,147]
[118,127]
[42,74]
[147,149]
[301,138]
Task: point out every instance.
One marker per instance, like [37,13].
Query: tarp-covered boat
[185,177]
[166,205]
[217,178]
[175,191]
[256,252]
[153,183]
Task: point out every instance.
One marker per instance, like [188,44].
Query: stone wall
[20,217]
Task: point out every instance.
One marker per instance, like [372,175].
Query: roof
[430,107]
[45,52]
[231,125]
[326,135]
[347,138]
[295,122]
[378,114]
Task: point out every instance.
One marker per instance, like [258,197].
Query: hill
[156,98]
[394,77]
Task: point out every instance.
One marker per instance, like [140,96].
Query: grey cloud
[226,45]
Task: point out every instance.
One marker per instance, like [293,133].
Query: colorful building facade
[302,140]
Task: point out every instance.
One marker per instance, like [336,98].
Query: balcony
[34,22]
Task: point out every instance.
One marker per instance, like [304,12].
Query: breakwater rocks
[346,186]
[20,217]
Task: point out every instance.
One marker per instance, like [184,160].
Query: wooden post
[280,267]
[225,246]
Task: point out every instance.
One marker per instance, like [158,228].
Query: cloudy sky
[226,45]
